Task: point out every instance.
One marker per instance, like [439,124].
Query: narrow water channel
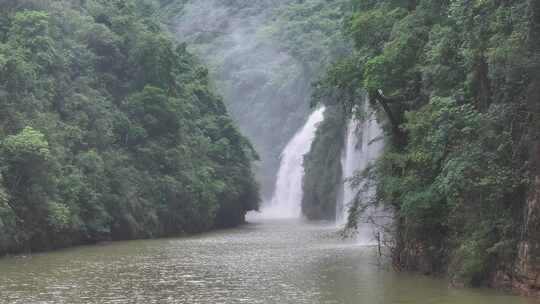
[267,261]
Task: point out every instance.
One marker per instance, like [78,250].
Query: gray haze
[266,90]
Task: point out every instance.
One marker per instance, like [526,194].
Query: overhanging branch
[394,121]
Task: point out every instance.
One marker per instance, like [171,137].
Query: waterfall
[287,197]
[363,145]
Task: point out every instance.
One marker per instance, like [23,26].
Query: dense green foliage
[453,79]
[311,31]
[108,130]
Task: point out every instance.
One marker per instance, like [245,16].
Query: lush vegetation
[457,82]
[311,31]
[109,130]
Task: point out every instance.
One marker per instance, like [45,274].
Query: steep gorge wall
[526,279]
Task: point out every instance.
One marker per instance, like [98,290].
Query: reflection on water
[277,261]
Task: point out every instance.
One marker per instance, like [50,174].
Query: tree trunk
[398,135]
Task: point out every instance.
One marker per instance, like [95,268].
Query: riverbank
[111,242]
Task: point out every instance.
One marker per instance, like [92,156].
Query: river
[267,261]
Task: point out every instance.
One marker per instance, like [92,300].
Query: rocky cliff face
[526,278]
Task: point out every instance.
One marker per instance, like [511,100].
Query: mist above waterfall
[265,89]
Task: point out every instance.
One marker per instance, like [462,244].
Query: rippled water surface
[262,262]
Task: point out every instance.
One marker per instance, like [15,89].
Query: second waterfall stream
[363,145]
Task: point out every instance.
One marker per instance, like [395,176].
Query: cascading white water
[288,193]
[351,158]
[363,146]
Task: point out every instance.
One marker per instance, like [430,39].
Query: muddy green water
[262,262]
